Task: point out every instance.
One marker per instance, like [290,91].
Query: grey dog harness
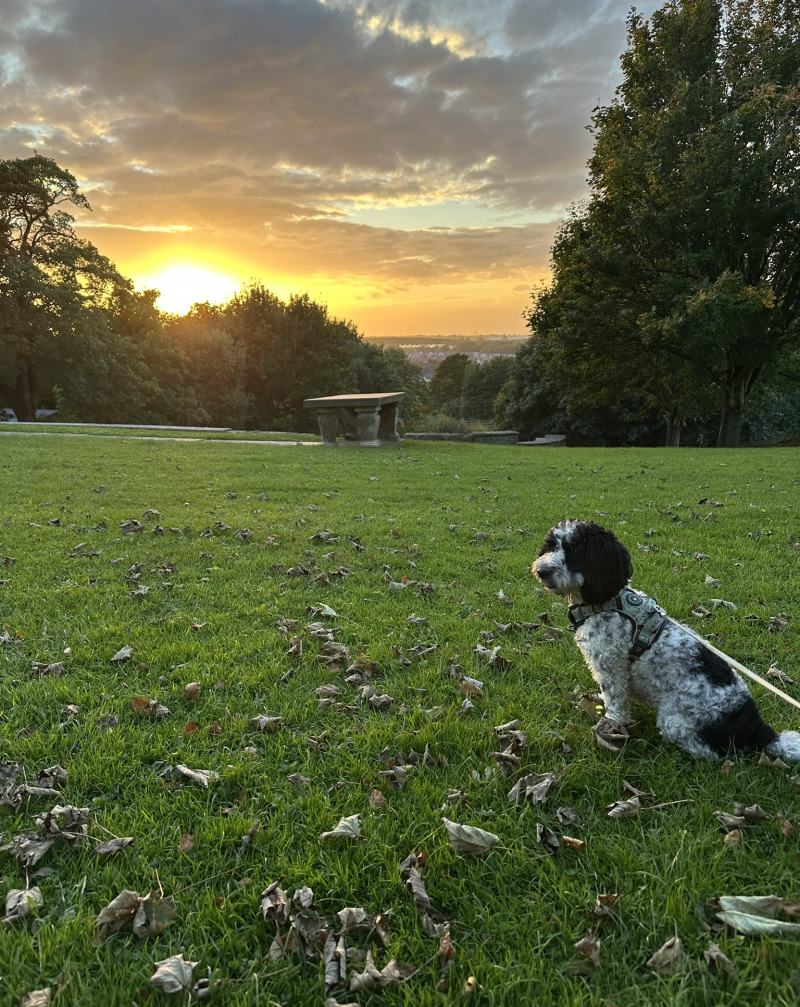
[647,618]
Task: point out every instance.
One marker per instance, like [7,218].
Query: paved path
[166,440]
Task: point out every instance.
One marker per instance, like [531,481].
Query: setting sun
[182,286]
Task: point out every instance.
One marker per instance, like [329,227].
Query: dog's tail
[787,746]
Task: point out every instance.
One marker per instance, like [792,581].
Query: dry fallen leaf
[201,776]
[547,839]
[623,809]
[669,959]
[113,846]
[589,945]
[377,800]
[20,902]
[469,839]
[717,962]
[173,974]
[573,844]
[610,735]
[347,828]
[192,690]
[37,998]
[267,724]
[534,787]
[757,914]
[275,904]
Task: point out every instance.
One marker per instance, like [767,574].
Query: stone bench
[368,420]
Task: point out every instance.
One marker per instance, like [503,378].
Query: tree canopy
[678,280]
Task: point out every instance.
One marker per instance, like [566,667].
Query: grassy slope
[518,912]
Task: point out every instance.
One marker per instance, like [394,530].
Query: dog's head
[583,560]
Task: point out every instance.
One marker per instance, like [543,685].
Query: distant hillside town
[428,352]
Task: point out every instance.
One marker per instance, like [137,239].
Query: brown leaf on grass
[111,847]
[469,839]
[174,974]
[492,657]
[752,915]
[777,763]
[589,946]
[380,702]
[20,902]
[28,848]
[603,904]
[547,839]
[785,825]
[149,708]
[201,776]
[775,672]
[353,918]
[623,809]
[729,822]
[567,816]
[393,972]
[396,776]
[574,844]
[122,655]
[37,998]
[334,957]
[732,838]
[610,735]
[669,959]
[266,724]
[192,690]
[300,781]
[778,623]
[434,929]
[155,913]
[275,904]
[416,885]
[446,952]
[534,787]
[377,800]
[471,687]
[717,962]
[346,828]
[754,811]
[119,913]
[41,670]
[304,897]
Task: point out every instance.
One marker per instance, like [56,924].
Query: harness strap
[646,617]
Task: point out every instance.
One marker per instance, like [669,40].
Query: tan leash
[735,664]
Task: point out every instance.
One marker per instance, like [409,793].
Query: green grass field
[458,525]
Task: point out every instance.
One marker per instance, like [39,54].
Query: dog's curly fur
[702,704]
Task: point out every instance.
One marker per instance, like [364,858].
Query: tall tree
[690,230]
[54,287]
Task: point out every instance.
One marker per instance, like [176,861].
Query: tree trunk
[732,412]
[24,396]
[675,421]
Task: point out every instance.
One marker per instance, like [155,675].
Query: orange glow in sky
[406,164]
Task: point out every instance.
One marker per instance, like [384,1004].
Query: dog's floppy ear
[604,561]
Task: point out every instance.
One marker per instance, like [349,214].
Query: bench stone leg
[328,426]
[387,430]
[367,423]
[349,424]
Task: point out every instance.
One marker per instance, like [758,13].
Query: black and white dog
[635,651]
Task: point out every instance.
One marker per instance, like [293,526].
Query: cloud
[270,120]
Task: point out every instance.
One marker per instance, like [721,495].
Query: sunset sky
[404,161]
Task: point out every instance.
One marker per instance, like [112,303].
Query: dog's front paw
[610,734]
